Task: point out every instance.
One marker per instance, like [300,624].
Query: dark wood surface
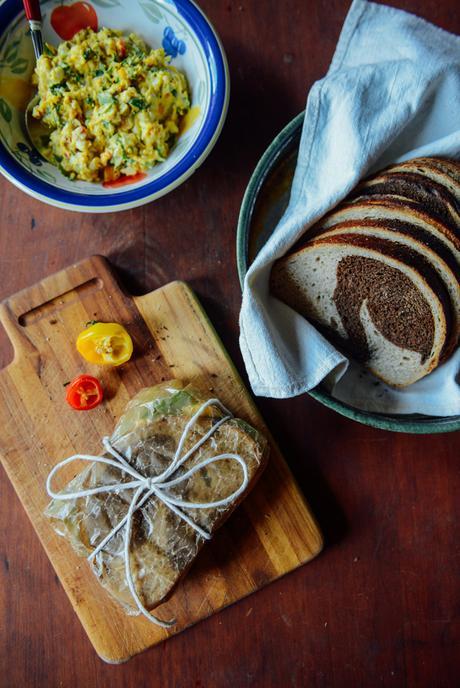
[380,606]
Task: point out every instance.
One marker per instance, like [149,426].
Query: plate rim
[405,423]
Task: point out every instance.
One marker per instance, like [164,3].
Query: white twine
[158,485]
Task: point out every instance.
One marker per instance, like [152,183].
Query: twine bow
[158,486]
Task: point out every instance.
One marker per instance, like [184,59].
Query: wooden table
[380,606]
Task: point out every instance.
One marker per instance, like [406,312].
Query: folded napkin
[391,93]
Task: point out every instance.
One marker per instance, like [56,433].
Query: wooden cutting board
[271,533]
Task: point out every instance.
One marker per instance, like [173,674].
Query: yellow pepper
[105,344]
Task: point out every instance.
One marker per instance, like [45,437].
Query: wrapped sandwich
[161,426]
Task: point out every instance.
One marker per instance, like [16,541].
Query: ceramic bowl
[264,202]
[194,47]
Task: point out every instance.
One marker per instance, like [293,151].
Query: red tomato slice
[124,180]
[84,393]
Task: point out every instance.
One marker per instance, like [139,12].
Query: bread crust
[391,208]
[431,194]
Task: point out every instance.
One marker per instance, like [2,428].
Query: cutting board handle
[29,306]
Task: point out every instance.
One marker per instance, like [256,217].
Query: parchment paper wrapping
[163,546]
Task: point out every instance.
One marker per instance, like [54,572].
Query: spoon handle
[34,17]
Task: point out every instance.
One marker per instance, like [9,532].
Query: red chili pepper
[84,393]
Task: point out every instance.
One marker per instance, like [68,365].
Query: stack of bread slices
[380,274]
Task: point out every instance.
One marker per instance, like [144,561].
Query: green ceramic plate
[264,202]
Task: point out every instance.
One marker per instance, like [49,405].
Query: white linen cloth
[391,93]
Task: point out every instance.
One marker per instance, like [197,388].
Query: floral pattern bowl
[193,46]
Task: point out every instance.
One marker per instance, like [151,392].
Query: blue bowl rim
[210,130]
[278,148]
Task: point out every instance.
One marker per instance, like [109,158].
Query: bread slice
[436,172]
[447,165]
[384,304]
[401,213]
[424,246]
[436,198]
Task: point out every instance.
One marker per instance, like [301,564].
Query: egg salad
[112,104]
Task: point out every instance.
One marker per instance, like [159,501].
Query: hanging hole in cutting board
[58,303]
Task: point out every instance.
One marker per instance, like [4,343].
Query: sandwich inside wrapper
[392,93]
[163,546]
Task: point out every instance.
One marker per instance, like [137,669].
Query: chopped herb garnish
[138,103]
[57,87]
[98,72]
[91,322]
[136,50]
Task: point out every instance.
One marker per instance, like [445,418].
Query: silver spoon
[37,131]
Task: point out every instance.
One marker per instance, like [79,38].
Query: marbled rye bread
[397,212]
[423,245]
[444,172]
[450,167]
[367,294]
[380,273]
[432,195]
